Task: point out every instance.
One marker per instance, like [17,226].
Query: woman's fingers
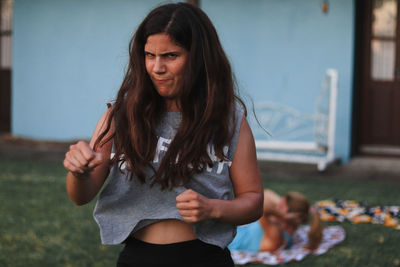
[81,158]
[70,166]
[85,150]
[192,206]
[188,199]
[96,160]
[77,158]
[73,163]
[190,218]
[187,205]
[93,159]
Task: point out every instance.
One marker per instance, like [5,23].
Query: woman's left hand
[247,205]
[194,207]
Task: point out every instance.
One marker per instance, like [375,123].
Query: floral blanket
[330,210]
[332,235]
[355,212]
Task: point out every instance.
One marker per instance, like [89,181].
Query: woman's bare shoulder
[271,198]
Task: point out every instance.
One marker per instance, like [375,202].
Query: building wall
[69,57]
[280,50]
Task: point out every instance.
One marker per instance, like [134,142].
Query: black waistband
[185,248]
[187,253]
[195,243]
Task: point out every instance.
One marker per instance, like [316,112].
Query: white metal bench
[282,120]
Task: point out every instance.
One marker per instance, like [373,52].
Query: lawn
[40,226]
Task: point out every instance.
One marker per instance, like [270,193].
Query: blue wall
[69,57]
[280,50]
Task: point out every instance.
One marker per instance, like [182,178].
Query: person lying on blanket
[274,230]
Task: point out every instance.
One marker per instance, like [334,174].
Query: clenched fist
[81,159]
[194,207]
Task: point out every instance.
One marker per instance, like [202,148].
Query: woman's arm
[247,206]
[272,238]
[272,204]
[88,169]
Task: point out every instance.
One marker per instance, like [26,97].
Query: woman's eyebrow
[170,53]
[164,53]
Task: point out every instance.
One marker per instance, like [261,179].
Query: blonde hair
[297,202]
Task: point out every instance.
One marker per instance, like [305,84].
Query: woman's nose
[159,66]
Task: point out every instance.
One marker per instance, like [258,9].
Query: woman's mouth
[161,81]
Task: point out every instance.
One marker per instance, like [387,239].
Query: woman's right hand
[80,160]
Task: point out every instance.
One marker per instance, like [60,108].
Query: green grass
[39,225]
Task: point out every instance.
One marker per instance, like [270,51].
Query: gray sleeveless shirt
[125,206]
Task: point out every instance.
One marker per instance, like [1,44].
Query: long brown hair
[298,203]
[206,100]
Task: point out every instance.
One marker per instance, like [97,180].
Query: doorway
[378,114]
[5,64]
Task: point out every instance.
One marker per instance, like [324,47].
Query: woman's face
[165,63]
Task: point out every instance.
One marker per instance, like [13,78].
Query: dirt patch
[366,168]
[15,147]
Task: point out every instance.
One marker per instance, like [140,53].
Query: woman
[281,218]
[176,148]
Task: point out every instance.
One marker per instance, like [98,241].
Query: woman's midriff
[166,232]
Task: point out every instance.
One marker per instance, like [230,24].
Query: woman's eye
[147,54]
[171,55]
